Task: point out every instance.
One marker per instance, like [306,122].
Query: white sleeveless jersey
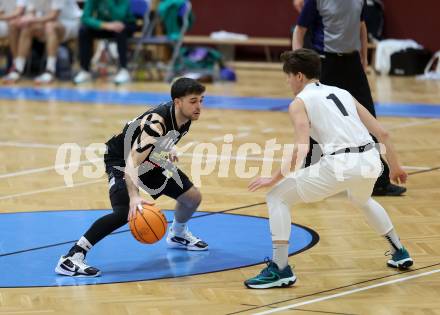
[334,120]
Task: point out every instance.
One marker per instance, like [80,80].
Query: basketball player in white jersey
[350,163]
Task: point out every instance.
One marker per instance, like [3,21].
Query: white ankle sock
[19,64]
[51,64]
[177,227]
[84,243]
[280,255]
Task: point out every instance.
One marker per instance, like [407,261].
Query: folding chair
[148,38]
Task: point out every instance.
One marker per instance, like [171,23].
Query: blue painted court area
[87,96]
[32,242]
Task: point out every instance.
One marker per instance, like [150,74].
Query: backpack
[197,59]
[64,63]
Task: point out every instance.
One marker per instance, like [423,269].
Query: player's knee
[192,198]
[196,198]
[275,197]
[279,219]
[120,215]
[359,202]
[272,198]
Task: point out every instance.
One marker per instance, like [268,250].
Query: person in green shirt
[105,19]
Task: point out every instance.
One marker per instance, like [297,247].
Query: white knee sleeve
[376,216]
[279,217]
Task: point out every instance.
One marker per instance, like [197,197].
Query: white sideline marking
[210,156]
[267,130]
[242,135]
[421,168]
[333,296]
[244,128]
[33,192]
[413,123]
[47,168]
[28,145]
[40,117]
[96,120]
[215,139]
[215,127]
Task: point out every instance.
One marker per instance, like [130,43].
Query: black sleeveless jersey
[120,145]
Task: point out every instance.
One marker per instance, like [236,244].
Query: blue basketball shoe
[272,277]
[400,259]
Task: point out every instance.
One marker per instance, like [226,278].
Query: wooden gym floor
[344,273]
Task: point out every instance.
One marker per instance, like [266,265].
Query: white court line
[215,127]
[211,157]
[267,130]
[33,192]
[215,139]
[412,124]
[96,120]
[421,168]
[242,135]
[227,157]
[47,168]
[329,297]
[208,156]
[29,145]
[40,117]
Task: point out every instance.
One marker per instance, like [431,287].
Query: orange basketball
[149,226]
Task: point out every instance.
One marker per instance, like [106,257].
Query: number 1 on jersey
[338,103]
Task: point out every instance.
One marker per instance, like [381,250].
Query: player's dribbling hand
[136,206]
[260,182]
[398,175]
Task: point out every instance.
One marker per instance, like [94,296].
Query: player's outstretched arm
[300,120]
[301,124]
[298,37]
[397,174]
[139,152]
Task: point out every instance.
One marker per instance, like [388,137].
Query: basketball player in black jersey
[141,157]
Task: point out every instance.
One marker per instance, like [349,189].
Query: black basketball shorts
[154,182]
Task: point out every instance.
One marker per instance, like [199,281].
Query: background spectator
[105,19]
[49,21]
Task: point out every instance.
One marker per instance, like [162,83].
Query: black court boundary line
[313,242]
[425,171]
[271,305]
